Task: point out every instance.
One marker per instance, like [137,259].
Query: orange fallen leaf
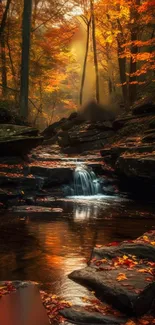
[130,322]
[121,277]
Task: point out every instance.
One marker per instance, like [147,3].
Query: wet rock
[140,250]
[139,166]
[36,209]
[85,147]
[53,176]
[122,275]
[21,182]
[82,316]
[132,295]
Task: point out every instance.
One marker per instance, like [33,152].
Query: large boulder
[52,129]
[18,140]
[18,145]
[82,316]
[145,106]
[53,176]
[137,166]
[9,130]
[123,275]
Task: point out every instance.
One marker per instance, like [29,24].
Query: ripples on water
[46,247]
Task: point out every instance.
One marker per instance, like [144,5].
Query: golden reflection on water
[46,248]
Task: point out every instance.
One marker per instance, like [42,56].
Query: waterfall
[85,182]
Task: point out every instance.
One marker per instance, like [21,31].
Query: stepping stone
[81,316]
[123,275]
[23,307]
[131,291]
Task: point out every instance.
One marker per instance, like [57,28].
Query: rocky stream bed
[120,276]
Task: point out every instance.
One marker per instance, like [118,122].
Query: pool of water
[46,247]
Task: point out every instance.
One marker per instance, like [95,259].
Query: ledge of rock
[81,316]
[123,276]
[137,166]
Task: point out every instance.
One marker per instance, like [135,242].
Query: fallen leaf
[121,277]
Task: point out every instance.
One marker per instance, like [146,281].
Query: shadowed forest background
[68,52]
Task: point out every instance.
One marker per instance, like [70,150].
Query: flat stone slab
[57,175]
[23,307]
[36,209]
[141,250]
[78,315]
[130,291]
[137,166]
[123,275]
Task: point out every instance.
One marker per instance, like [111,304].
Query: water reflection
[85,212]
[46,248]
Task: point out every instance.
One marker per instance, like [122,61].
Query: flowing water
[85,182]
[45,246]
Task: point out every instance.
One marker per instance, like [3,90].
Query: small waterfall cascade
[85,182]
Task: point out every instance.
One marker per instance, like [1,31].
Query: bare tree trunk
[4,66]
[95,50]
[134,51]
[4,17]
[123,79]
[26,33]
[85,61]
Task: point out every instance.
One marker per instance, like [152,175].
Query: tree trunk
[4,66]
[85,63]
[26,33]
[95,50]
[4,17]
[122,70]
[134,51]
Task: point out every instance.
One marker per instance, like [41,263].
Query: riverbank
[121,275]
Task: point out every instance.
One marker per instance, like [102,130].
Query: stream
[46,246]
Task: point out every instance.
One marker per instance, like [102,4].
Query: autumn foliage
[124,34]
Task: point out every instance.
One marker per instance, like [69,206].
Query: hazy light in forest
[78,48]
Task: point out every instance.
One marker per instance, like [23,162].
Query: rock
[123,274]
[82,316]
[53,176]
[86,146]
[21,181]
[152,123]
[33,209]
[52,129]
[134,295]
[63,139]
[140,250]
[149,131]
[9,130]
[121,122]
[73,116]
[68,125]
[104,126]
[89,136]
[18,145]
[149,138]
[137,166]
[145,107]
